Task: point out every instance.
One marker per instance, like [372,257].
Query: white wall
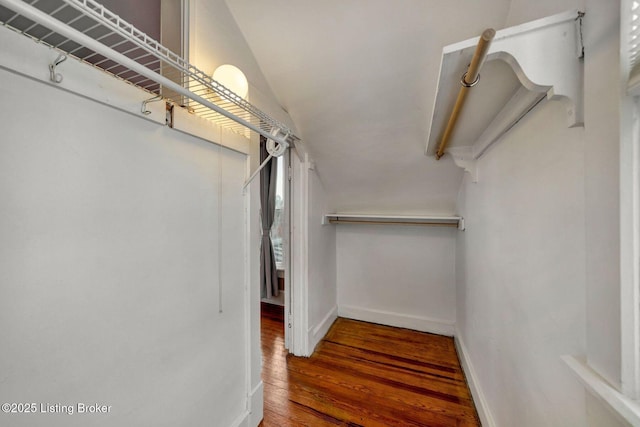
[397,275]
[323,308]
[110,264]
[537,268]
[521,11]
[602,139]
[215,39]
[313,290]
[521,272]
[600,416]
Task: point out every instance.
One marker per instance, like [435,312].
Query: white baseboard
[256,405]
[320,330]
[242,420]
[255,411]
[486,419]
[418,323]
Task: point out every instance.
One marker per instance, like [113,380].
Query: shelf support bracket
[546,56]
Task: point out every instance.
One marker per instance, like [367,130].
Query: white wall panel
[110,262]
[322,264]
[397,275]
[521,272]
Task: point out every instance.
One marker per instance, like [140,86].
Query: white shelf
[524,65]
[88,32]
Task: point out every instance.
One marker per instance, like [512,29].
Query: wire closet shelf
[89,32]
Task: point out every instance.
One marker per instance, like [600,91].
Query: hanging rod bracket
[473,72]
[53,76]
[144,109]
[463,80]
[277,145]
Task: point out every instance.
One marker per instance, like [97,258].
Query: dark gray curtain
[268,272]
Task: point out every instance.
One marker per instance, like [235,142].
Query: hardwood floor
[363,374]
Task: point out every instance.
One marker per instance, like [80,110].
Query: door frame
[296,315]
[287,245]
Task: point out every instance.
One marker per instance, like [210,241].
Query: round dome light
[232,78]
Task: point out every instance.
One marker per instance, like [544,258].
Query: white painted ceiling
[358,78]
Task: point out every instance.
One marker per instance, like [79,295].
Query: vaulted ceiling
[358,78]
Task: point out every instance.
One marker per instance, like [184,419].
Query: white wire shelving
[88,32]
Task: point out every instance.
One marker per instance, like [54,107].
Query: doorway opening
[279,232]
[275,302]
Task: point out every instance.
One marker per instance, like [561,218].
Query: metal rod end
[488,34]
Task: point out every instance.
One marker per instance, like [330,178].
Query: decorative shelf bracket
[546,57]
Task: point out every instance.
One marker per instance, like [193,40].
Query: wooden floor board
[363,374]
[419,376]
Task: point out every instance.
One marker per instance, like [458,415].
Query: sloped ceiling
[358,78]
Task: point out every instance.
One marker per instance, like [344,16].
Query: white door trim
[299,320]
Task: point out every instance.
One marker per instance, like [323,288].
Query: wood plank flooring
[363,374]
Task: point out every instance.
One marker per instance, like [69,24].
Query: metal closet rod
[437,221]
[59,27]
[468,80]
[417,223]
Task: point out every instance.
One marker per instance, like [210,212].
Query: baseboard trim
[255,410]
[320,330]
[256,405]
[486,419]
[242,420]
[418,323]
